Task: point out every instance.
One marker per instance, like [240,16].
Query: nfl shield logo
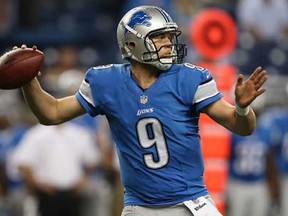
[143,99]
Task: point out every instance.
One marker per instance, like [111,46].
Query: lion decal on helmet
[138,18]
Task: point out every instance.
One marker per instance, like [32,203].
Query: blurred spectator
[63,60]
[263,26]
[266,20]
[51,161]
[250,174]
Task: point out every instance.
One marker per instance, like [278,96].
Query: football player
[250,174]
[153,105]
[278,137]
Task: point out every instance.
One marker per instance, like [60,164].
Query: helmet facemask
[178,51]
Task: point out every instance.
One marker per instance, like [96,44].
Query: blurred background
[226,36]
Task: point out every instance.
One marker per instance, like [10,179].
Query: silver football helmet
[134,34]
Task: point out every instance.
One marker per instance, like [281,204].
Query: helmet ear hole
[131,45]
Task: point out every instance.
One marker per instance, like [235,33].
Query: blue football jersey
[247,161]
[9,140]
[277,121]
[155,130]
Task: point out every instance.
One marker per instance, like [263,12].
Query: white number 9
[150,133]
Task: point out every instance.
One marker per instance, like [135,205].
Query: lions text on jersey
[155,130]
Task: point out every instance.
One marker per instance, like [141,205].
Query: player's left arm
[239,119]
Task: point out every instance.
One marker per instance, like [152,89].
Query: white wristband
[242,111]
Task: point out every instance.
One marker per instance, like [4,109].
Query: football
[19,66]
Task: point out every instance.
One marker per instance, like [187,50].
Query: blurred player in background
[252,172]
[276,121]
[153,105]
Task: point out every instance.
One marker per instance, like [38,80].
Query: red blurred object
[213,33]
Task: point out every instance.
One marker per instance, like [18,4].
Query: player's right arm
[48,109]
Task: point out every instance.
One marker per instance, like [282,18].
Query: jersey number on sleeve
[150,134]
